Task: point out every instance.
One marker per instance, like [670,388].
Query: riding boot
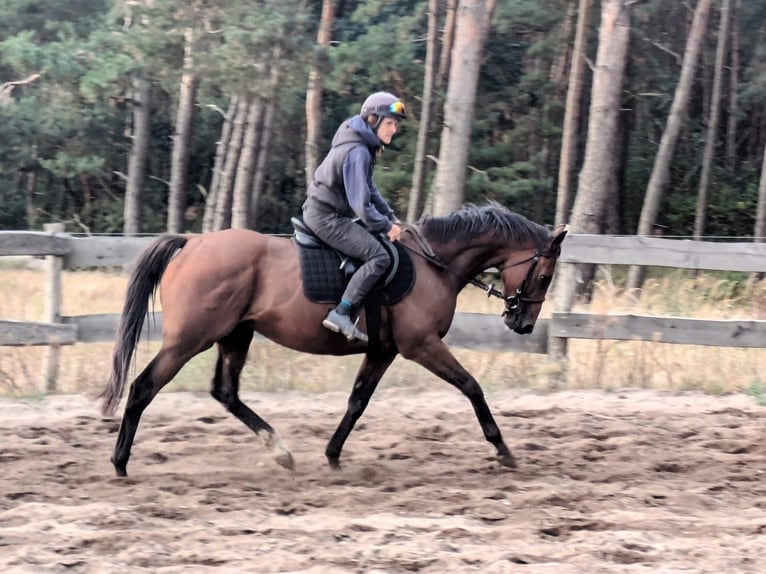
[339,322]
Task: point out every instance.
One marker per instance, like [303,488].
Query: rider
[342,190]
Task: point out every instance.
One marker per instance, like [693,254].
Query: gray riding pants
[352,239]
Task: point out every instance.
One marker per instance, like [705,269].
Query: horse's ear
[558,235]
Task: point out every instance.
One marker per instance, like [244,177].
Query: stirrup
[342,324]
[356,333]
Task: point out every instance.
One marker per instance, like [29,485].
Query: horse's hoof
[506,460]
[121,471]
[285,460]
[281,452]
[334,462]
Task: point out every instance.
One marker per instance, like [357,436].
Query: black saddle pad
[324,280]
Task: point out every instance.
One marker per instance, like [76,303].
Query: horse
[219,288]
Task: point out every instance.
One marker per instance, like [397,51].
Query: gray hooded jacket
[343,181]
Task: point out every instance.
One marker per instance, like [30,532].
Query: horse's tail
[142,285]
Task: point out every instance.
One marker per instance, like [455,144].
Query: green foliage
[70,128]
[13,211]
[757,390]
[65,165]
[21,53]
[730,211]
[378,49]
[107,68]
[49,19]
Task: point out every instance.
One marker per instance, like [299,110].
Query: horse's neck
[470,258]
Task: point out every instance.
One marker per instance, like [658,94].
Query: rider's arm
[360,191]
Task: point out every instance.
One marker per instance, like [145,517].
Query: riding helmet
[383,105]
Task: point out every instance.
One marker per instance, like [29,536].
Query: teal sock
[344,308]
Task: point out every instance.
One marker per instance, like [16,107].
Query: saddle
[326,272]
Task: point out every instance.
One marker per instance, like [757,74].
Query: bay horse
[220,287]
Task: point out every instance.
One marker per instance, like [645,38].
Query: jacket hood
[356,130]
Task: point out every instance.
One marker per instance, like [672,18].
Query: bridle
[513,303]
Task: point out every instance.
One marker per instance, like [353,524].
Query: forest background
[144,116]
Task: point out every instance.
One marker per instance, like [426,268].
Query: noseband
[513,303]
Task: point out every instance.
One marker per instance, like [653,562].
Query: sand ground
[630,481]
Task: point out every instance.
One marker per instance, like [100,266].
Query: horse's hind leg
[232,354]
[144,388]
[436,357]
[367,379]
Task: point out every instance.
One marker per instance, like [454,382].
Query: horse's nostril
[524,330]
[517,325]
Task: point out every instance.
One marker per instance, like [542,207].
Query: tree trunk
[139,153]
[243,181]
[759,232]
[314,91]
[731,128]
[558,77]
[30,197]
[222,215]
[266,133]
[601,145]
[447,41]
[471,29]
[760,218]
[603,126]
[415,206]
[559,66]
[568,159]
[661,168]
[263,154]
[181,138]
[218,165]
[708,156]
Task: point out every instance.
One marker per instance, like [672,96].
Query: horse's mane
[493,219]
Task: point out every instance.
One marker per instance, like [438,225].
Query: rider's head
[383,111]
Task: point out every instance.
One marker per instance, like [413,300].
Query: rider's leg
[351,239]
[341,319]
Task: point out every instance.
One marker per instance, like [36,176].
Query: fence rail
[86,252]
[469,330]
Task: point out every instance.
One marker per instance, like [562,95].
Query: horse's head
[475,238]
[526,282]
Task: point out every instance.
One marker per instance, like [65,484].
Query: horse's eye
[545,280]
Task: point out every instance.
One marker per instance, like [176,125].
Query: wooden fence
[469,330]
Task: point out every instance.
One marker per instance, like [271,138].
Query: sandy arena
[633,481]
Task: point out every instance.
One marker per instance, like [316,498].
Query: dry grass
[593,364]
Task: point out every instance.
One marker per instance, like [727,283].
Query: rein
[512,302]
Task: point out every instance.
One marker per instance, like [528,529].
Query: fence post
[53,267]
[563,298]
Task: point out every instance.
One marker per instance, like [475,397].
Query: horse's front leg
[367,379]
[434,355]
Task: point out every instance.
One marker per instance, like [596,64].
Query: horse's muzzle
[525,330]
[517,324]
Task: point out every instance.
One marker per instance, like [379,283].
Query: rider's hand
[395,232]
